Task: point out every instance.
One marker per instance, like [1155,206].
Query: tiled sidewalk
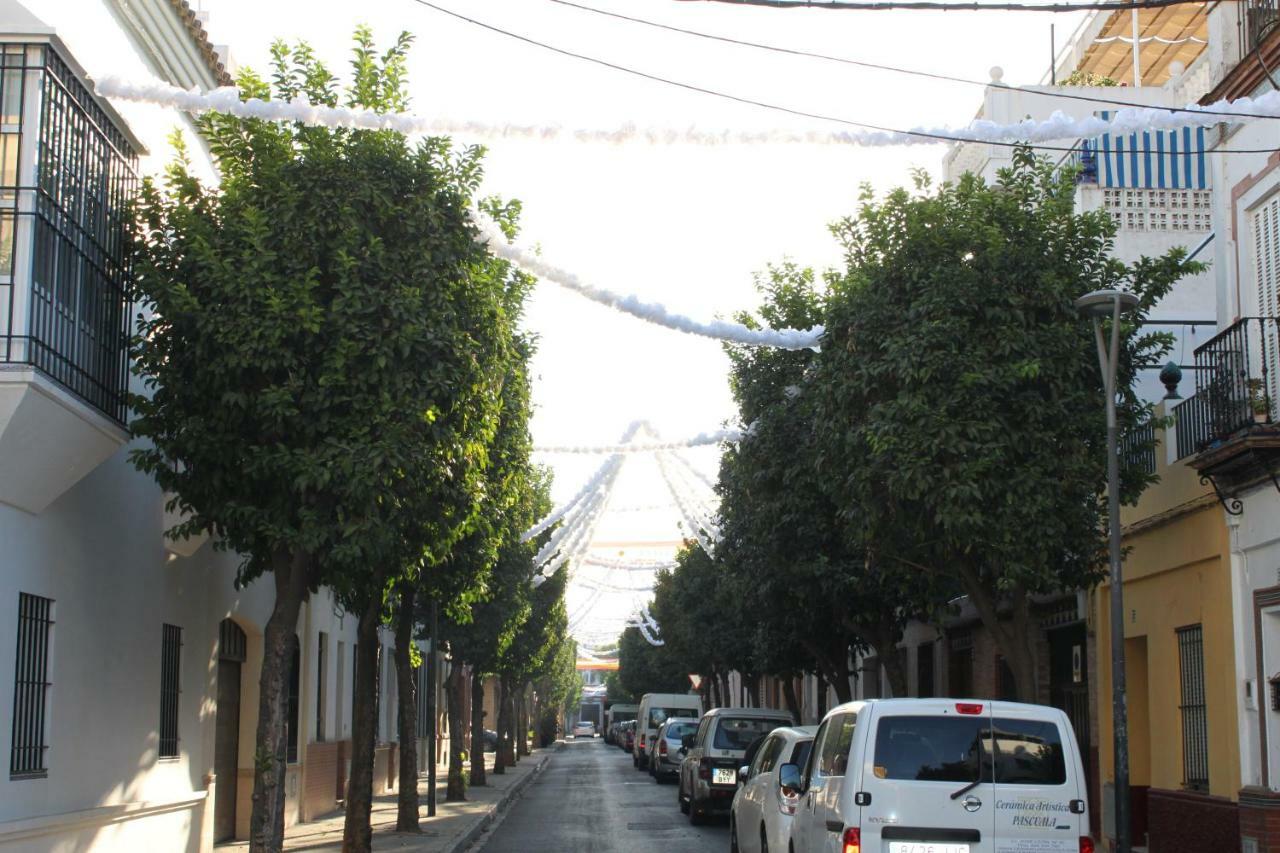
[452,830]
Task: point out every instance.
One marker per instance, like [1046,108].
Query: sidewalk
[452,830]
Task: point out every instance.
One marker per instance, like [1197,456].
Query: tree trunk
[840,680]
[821,691]
[477,729]
[406,689]
[522,721]
[513,723]
[1015,637]
[884,637]
[291,573]
[500,760]
[457,684]
[713,691]
[357,835]
[726,692]
[789,695]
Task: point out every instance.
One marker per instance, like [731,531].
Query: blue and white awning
[1152,159]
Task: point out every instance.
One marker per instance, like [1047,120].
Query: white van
[943,775]
[655,708]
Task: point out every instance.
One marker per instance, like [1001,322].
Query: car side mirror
[789,779]
[744,773]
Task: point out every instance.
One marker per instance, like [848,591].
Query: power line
[939,137]
[877,66]
[944,6]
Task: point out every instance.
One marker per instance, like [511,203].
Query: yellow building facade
[1180,667]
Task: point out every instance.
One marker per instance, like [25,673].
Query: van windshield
[952,749]
[739,732]
[658,716]
[623,716]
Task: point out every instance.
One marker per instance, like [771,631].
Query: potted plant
[1258,402]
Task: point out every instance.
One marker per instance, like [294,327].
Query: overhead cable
[875,66]
[945,6]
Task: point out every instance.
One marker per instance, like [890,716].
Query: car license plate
[724,776]
[926,847]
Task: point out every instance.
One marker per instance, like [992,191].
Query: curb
[466,839]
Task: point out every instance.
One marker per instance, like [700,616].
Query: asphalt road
[589,799]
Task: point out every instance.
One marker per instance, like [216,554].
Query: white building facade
[129,663]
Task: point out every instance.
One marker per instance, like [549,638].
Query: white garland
[695,525]
[1057,126]
[706,510]
[629,565]
[592,485]
[702,439]
[652,312]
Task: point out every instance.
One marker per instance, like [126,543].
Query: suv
[713,754]
[900,775]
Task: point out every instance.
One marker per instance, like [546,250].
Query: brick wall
[1260,819]
[1181,820]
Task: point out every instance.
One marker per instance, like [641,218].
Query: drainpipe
[1246,667]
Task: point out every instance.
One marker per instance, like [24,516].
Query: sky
[684,225]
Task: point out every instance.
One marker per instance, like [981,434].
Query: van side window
[700,739]
[833,754]
[810,765]
[1029,752]
[933,749]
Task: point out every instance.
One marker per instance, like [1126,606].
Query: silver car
[665,751]
[760,818]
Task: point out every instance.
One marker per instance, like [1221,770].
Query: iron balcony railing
[1138,448]
[1258,20]
[1236,385]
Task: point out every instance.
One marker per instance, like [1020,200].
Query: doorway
[226,749]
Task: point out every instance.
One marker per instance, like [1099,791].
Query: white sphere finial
[997,73]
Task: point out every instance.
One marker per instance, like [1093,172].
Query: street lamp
[1096,306]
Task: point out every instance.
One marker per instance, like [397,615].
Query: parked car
[899,775]
[614,717]
[713,754]
[655,708]
[664,749]
[490,740]
[584,728]
[760,817]
[628,734]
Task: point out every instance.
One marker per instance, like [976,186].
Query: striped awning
[1152,159]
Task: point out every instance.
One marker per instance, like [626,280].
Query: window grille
[1195,720]
[321,643]
[170,689]
[1158,210]
[31,687]
[291,715]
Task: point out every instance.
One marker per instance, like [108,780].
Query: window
[833,754]
[658,716]
[739,732]
[924,669]
[766,756]
[934,749]
[424,719]
[170,688]
[339,689]
[1266,249]
[322,641]
[31,686]
[1006,686]
[1195,721]
[1028,752]
[700,736]
[800,754]
[291,713]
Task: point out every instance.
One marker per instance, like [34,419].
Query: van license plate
[724,776]
[926,847]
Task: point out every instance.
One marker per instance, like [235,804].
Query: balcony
[67,171]
[1257,18]
[1230,426]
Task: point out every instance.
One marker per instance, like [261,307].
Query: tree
[616,692]
[558,688]
[533,647]
[644,668]
[813,593]
[317,343]
[959,406]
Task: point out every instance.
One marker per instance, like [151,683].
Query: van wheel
[684,804]
[695,814]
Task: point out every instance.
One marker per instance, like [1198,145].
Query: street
[591,799]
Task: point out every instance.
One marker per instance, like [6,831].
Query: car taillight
[704,768]
[853,840]
[787,805]
[968,707]
[642,740]
[662,747]
[1086,844]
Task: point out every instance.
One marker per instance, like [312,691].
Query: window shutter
[1266,243]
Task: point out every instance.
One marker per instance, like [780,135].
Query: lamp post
[1096,306]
